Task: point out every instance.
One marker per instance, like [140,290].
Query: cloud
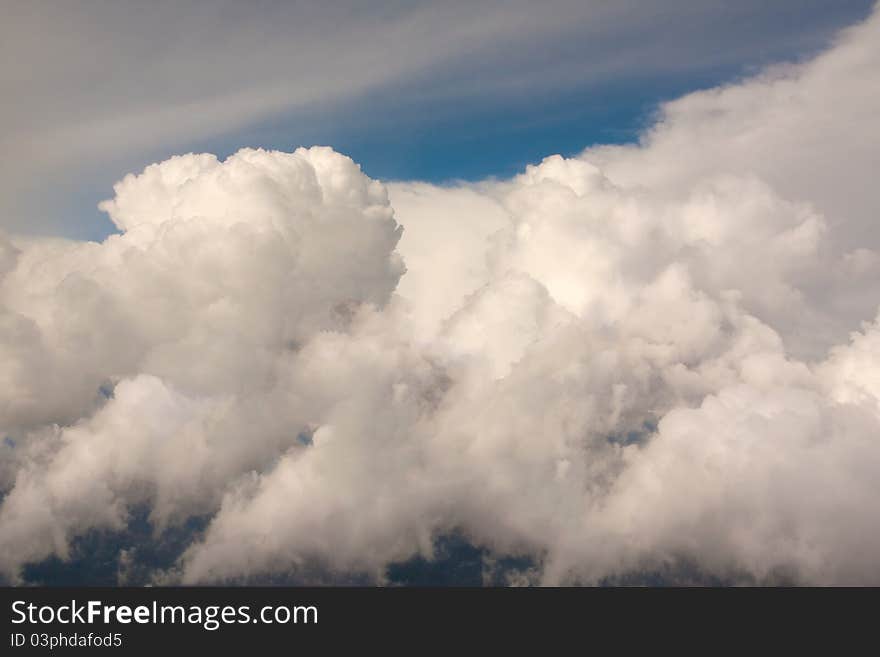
[643,358]
[95,86]
[175,328]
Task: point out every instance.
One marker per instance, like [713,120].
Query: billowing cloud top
[644,358]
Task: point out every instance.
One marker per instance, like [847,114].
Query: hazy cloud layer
[644,356]
[90,86]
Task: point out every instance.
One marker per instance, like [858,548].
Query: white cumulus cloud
[647,357]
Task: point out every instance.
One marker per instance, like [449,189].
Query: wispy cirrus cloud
[94,86]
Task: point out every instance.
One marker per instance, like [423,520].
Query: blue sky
[497,135]
[510,84]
